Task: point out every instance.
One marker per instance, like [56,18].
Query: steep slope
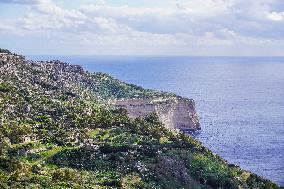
[58,130]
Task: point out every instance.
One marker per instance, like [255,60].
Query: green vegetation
[112,88]
[4,51]
[57,131]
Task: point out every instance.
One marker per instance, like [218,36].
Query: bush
[4,51]
[4,87]
[64,174]
[210,172]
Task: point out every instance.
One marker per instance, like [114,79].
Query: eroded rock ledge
[173,112]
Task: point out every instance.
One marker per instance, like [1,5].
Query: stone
[173,112]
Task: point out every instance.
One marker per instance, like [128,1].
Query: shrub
[4,87]
[64,174]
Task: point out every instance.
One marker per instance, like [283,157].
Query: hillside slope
[57,130]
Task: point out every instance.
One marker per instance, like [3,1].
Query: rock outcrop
[173,112]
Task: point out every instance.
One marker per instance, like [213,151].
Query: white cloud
[206,7]
[276,16]
[180,26]
[20,1]
[210,39]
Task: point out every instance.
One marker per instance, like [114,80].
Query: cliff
[53,76]
[58,130]
[173,112]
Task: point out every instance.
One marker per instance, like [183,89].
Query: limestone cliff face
[173,112]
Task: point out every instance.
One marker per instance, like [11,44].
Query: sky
[143,27]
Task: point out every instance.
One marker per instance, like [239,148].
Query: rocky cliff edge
[174,112]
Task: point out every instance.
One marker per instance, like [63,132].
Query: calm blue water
[240,101]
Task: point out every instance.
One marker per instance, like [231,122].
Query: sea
[240,100]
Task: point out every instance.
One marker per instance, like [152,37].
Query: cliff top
[59,75]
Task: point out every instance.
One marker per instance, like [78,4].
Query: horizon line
[136,55]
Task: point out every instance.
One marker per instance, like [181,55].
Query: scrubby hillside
[57,131]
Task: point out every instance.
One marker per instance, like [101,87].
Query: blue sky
[143,27]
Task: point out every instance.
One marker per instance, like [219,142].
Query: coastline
[44,80]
